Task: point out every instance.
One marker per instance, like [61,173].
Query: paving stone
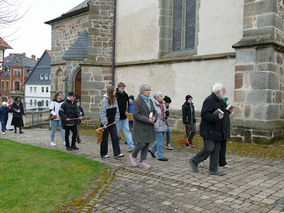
[253,185]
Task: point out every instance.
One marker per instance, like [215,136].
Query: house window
[35,89]
[35,102]
[31,102]
[46,89]
[2,85]
[7,85]
[41,77]
[42,89]
[184,23]
[16,72]
[47,103]
[31,89]
[17,85]
[46,76]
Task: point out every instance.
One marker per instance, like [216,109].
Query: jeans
[222,153]
[114,140]
[158,145]
[211,148]
[54,124]
[168,134]
[144,151]
[67,133]
[190,131]
[3,124]
[125,128]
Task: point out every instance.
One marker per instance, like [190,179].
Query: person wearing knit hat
[188,117]
[168,101]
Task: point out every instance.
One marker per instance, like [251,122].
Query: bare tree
[10,12]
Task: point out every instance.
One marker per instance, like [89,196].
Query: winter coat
[81,112]
[160,124]
[108,113]
[211,126]
[226,123]
[18,112]
[68,109]
[54,108]
[186,114]
[4,113]
[122,102]
[143,130]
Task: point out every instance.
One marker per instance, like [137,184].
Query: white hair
[158,94]
[4,104]
[144,87]
[216,87]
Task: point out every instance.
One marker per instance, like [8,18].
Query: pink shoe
[133,160]
[144,165]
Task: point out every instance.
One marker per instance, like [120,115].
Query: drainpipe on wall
[113,41]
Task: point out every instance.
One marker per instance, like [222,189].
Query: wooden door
[78,84]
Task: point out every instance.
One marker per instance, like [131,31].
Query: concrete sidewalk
[251,185]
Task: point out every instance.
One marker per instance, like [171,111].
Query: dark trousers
[114,140]
[67,133]
[222,153]
[211,148]
[143,147]
[190,131]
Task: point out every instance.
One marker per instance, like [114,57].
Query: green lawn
[33,179]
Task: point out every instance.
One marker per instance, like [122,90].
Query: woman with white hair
[4,110]
[144,115]
[160,127]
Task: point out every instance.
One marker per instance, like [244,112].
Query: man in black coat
[68,112]
[211,129]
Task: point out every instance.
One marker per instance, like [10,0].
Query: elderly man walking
[211,130]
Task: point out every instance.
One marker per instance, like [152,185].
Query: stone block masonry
[259,83]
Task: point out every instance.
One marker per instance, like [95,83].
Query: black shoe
[68,148]
[194,166]
[218,173]
[75,148]
[21,132]
[78,140]
[163,159]
[119,156]
[152,154]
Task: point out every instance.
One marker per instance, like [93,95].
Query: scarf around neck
[147,100]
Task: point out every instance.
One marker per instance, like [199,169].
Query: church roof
[79,49]
[4,45]
[41,69]
[80,8]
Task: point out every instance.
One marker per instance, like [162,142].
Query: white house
[37,85]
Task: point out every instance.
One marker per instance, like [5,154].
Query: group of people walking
[150,125]
[12,114]
[118,111]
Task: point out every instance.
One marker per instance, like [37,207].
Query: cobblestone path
[251,185]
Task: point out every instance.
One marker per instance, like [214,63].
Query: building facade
[16,70]
[37,85]
[3,47]
[179,47]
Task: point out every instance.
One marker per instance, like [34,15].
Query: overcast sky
[30,35]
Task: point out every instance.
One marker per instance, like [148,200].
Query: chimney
[24,54]
[33,57]
[10,54]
